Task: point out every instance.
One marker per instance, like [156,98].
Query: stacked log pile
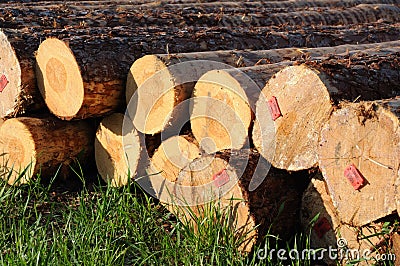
[229,104]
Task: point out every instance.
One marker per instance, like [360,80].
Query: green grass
[108,226]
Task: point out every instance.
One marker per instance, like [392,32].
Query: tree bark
[226,182]
[39,146]
[118,150]
[319,218]
[364,136]
[209,16]
[306,96]
[396,247]
[84,76]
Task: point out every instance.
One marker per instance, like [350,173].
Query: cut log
[169,159]
[327,232]
[116,138]
[33,146]
[226,182]
[222,107]
[210,16]
[306,95]
[396,247]
[167,6]
[363,13]
[359,156]
[83,77]
[18,91]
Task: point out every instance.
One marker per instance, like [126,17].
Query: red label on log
[322,226]
[356,179]
[3,82]
[221,178]
[274,108]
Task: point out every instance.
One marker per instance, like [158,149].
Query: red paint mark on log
[354,176]
[3,82]
[274,108]
[322,226]
[221,178]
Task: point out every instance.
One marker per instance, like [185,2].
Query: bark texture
[319,218]
[97,68]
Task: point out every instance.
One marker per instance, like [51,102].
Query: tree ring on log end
[59,78]
[19,151]
[305,106]
[220,111]
[10,68]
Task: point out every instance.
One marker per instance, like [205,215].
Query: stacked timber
[224,182]
[177,84]
[330,235]
[359,157]
[20,95]
[197,108]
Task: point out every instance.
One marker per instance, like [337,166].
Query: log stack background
[308,89]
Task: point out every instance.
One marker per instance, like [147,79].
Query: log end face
[304,104]
[59,78]
[363,136]
[113,145]
[19,151]
[10,78]
[220,112]
[155,94]
[213,182]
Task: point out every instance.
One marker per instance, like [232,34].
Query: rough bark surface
[327,231]
[42,145]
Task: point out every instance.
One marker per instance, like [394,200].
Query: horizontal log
[39,146]
[224,181]
[174,154]
[60,17]
[362,139]
[222,107]
[306,96]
